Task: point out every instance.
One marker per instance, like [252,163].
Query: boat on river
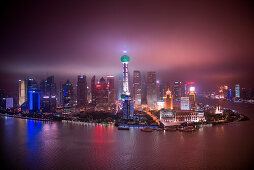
[147,129]
[123,128]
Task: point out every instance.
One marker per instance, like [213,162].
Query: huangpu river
[29,144]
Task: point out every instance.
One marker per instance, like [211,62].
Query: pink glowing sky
[206,41]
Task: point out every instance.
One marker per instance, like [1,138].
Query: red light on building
[190,82]
[98,86]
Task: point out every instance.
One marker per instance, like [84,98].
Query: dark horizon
[207,42]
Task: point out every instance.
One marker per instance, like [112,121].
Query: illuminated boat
[123,128]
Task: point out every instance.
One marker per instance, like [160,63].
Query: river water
[28,144]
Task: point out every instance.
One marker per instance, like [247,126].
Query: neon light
[192,88]
[38,102]
[30,100]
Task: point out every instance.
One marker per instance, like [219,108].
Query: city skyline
[214,47]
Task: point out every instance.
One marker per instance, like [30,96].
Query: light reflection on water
[55,145]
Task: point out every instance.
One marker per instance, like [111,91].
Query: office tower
[34,100]
[112,93]
[185,103]
[158,84]
[151,89]
[67,94]
[9,102]
[128,108]
[245,94]
[48,95]
[192,97]
[237,91]
[169,100]
[29,96]
[2,101]
[187,86]
[22,92]
[229,94]
[102,93]
[137,88]
[177,90]
[93,90]
[81,91]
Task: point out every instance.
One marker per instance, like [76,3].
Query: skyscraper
[151,89]
[81,91]
[48,95]
[185,104]
[229,94]
[102,93]
[237,91]
[68,100]
[128,109]
[177,90]
[22,92]
[29,96]
[137,88]
[93,90]
[112,93]
[192,97]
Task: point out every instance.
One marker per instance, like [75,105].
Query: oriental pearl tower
[125,59]
[128,107]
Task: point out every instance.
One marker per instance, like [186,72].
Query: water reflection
[33,144]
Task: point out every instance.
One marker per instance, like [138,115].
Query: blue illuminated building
[237,91]
[128,108]
[229,95]
[34,101]
[32,96]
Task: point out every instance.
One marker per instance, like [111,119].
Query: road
[153,116]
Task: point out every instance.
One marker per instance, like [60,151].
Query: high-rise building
[112,93]
[81,91]
[2,100]
[93,90]
[237,91]
[34,100]
[22,92]
[102,94]
[68,100]
[177,90]
[192,97]
[128,110]
[185,103]
[151,89]
[229,94]
[9,102]
[137,88]
[143,89]
[245,94]
[187,87]
[48,95]
[169,100]
[29,96]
